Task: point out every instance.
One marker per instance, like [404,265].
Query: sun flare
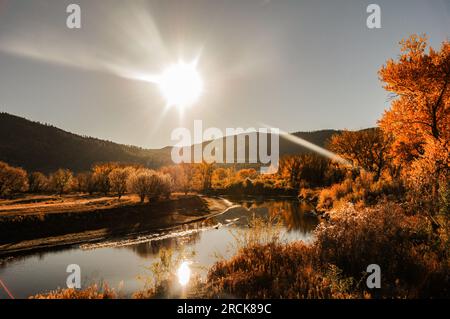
[181,84]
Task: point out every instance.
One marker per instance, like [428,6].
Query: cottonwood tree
[61,181]
[315,170]
[222,177]
[419,117]
[205,171]
[81,182]
[289,168]
[187,180]
[307,170]
[164,186]
[118,178]
[367,149]
[139,182]
[100,173]
[181,179]
[149,183]
[37,182]
[12,180]
[420,83]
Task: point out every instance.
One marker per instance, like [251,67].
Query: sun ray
[313,147]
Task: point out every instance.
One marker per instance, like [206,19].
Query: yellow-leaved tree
[419,117]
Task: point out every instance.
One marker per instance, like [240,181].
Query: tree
[61,180]
[118,180]
[222,177]
[140,182]
[100,173]
[151,184]
[84,183]
[12,180]
[179,174]
[367,149]
[188,173]
[420,83]
[419,118]
[205,171]
[314,170]
[165,185]
[289,168]
[37,182]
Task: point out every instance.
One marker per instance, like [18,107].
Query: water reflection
[294,216]
[152,248]
[123,259]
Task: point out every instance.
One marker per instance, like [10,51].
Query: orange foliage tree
[420,81]
[419,117]
[12,180]
[367,149]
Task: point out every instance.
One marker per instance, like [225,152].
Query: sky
[291,64]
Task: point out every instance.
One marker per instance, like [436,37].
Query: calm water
[121,261]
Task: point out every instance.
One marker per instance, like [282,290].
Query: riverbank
[35,223]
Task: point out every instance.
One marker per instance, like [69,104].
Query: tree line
[106,179]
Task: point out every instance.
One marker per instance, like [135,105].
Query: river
[123,262]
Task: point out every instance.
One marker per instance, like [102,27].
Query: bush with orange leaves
[363,190]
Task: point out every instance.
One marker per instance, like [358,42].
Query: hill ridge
[37,146]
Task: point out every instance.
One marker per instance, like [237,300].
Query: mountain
[41,147]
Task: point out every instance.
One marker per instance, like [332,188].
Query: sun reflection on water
[184,273]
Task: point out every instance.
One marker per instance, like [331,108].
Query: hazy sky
[297,65]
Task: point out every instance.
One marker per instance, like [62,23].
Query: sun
[181,84]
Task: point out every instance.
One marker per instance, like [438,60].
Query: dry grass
[92,292]
[276,271]
[414,261]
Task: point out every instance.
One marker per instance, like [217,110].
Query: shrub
[325,201]
[413,260]
[363,190]
[309,195]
